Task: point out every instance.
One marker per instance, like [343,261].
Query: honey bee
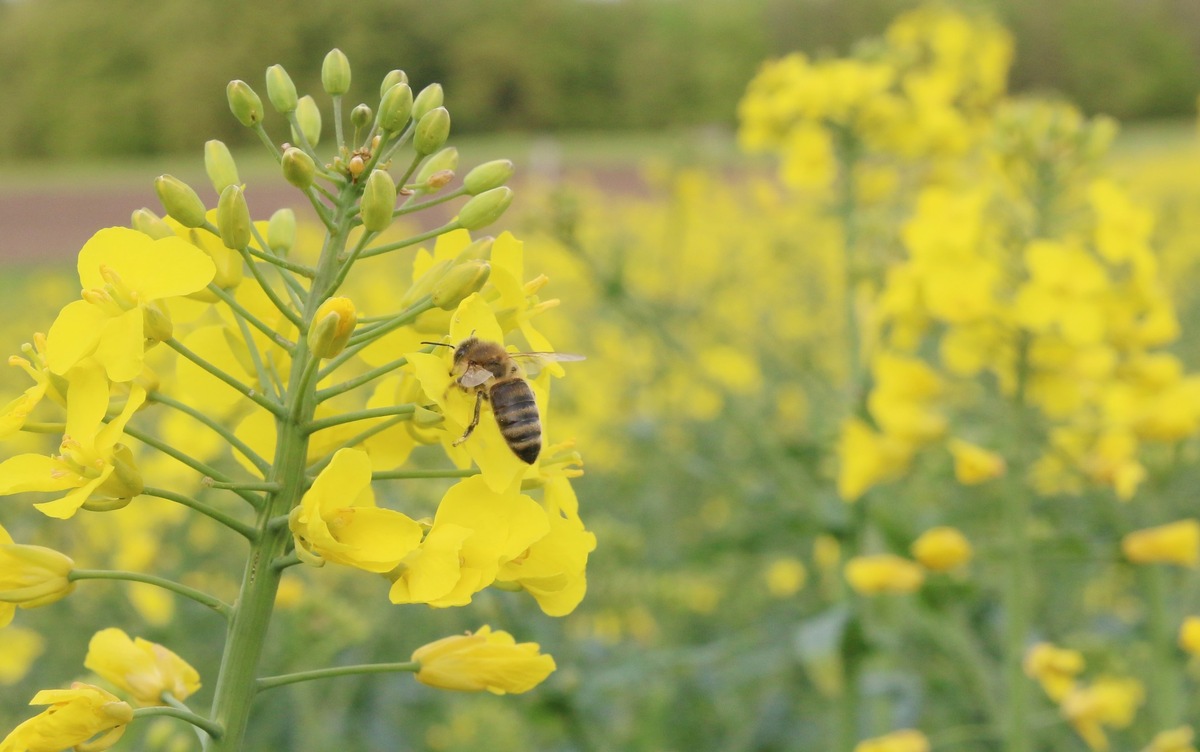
[493,374]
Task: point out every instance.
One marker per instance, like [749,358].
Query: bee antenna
[438,344]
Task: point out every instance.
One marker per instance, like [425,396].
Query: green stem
[36,427]
[357,381]
[403,319]
[268,289]
[291,266]
[1018,599]
[406,209]
[421,238]
[245,391]
[264,380]
[213,730]
[337,122]
[283,562]
[236,525]
[271,682]
[241,446]
[250,318]
[365,238]
[191,462]
[247,486]
[367,414]
[204,599]
[1165,681]
[407,474]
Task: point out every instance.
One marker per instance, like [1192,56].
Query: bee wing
[474,376]
[535,362]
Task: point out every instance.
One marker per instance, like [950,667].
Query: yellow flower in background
[1189,635]
[1123,229]
[31,576]
[941,549]
[868,458]
[1064,292]
[19,649]
[1054,668]
[75,716]
[883,573]
[785,576]
[1107,702]
[974,464]
[903,401]
[907,740]
[1173,543]
[483,660]
[1173,740]
[144,669]
[123,272]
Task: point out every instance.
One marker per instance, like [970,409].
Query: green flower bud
[432,131]
[487,176]
[335,73]
[460,282]
[428,98]
[280,90]
[244,103]
[308,115]
[480,248]
[360,116]
[332,325]
[148,223]
[378,201]
[233,218]
[298,168]
[219,165]
[180,201]
[391,79]
[445,160]
[485,208]
[424,286]
[395,107]
[281,231]
[156,325]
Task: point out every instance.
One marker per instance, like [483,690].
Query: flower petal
[73,335]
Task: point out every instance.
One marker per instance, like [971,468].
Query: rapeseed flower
[76,715]
[941,549]
[1107,702]
[1173,543]
[30,576]
[974,464]
[1173,740]
[483,660]
[883,573]
[144,669]
[1054,668]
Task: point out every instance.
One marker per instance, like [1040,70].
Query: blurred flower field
[887,438]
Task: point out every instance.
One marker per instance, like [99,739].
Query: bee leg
[474,420]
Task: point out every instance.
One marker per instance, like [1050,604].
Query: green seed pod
[308,115]
[428,98]
[244,103]
[180,201]
[391,79]
[335,73]
[485,208]
[480,248]
[148,223]
[487,176]
[280,90]
[460,282]
[233,218]
[432,131]
[281,231]
[298,168]
[395,108]
[360,116]
[444,160]
[219,165]
[378,201]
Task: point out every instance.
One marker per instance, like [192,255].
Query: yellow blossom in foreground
[883,573]
[1173,740]
[941,549]
[974,465]
[144,669]
[1106,702]
[1173,543]
[483,660]
[1189,635]
[30,576]
[907,740]
[785,576]
[1054,667]
[75,715]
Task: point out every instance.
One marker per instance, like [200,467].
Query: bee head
[463,348]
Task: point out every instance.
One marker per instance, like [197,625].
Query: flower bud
[180,201]
[1173,543]
[395,107]
[144,670]
[485,208]
[445,160]
[392,78]
[244,103]
[424,286]
[308,115]
[427,99]
[941,549]
[459,282]
[156,324]
[298,168]
[281,231]
[360,116]
[280,90]
[233,218]
[432,131]
[378,201]
[487,176]
[355,166]
[331,327]
[219,165]
[335,73]
[149,223]
[31,576]
[479,248]
[484,660]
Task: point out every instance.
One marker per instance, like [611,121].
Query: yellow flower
[973,464]
[785,576]
[144,669]
[75,716]
[1054,667]
[907,740]
[1189,635]
[941,549]
[483,660]
[883,573]
[21,648]
[14,414]
[1173,543]
[868,458]
[30,576]
[1106,702]
[1173,740]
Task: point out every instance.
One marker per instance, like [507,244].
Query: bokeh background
[712,619]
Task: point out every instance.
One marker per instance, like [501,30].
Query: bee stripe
[517,417]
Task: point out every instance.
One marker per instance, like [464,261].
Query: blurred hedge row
[79,80]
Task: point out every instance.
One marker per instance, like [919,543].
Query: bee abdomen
[517,416]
